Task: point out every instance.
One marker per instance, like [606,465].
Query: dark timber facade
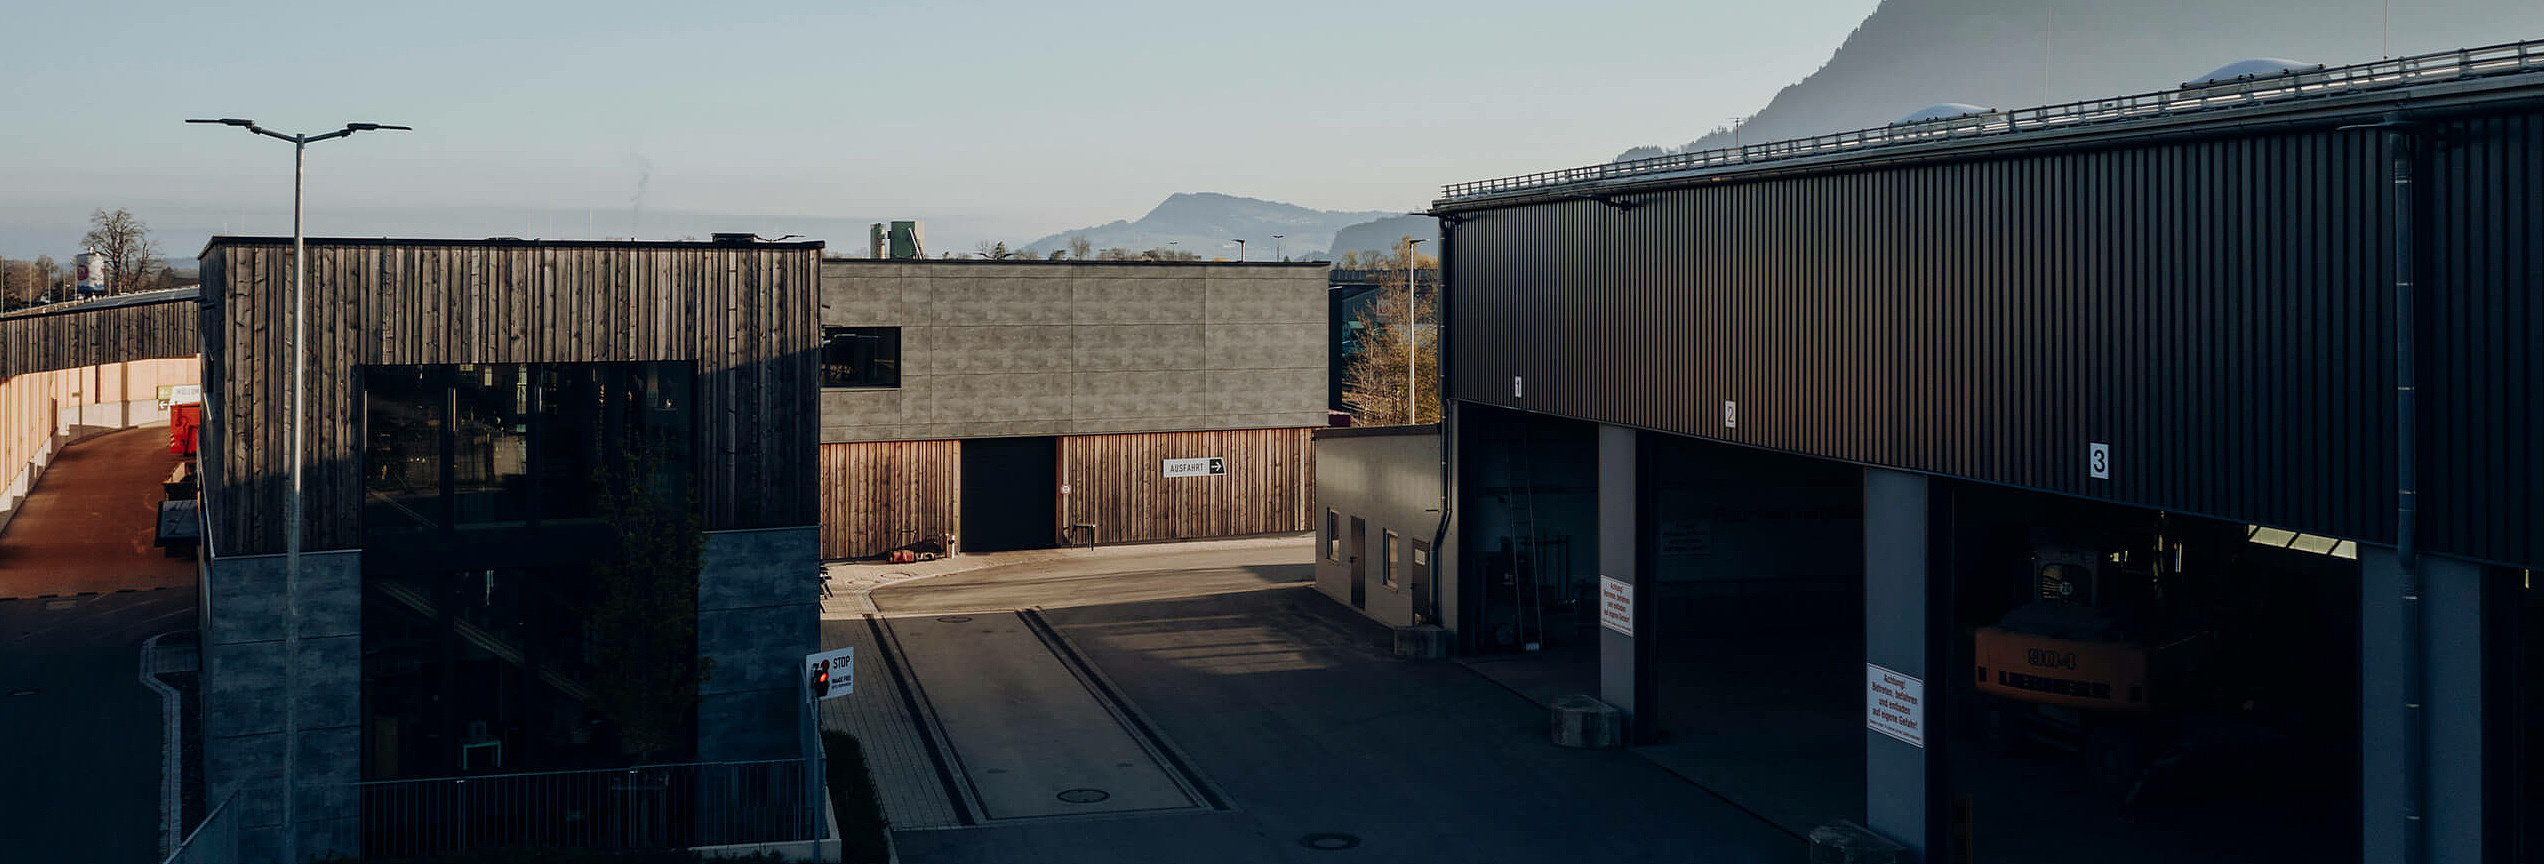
[2169,329]
[480,413]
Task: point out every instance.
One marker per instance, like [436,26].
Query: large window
[456,453]
[861,357]
[1333,536]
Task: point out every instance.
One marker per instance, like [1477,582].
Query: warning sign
[1895,705]
[1616,605]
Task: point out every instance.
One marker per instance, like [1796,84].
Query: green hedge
[852,800]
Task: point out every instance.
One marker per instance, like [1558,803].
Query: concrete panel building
[1002,405]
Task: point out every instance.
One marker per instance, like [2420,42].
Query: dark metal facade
[2213,302]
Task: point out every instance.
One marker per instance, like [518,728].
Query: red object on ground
[183,420]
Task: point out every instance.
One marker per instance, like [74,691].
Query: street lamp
[1411,409]
[299,463]
[1240,251]
[1276,247]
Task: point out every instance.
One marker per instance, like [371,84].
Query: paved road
[1291,707]
[1111,575]
[87,527]
[79,775]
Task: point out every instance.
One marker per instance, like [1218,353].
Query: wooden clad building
[744,313]
[150,325]
[994,405]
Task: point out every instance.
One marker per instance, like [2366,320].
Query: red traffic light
[821,679]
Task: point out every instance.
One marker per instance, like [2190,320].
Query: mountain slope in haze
[1382,235]
[1910,54]
[1209,223]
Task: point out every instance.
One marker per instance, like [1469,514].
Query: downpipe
[2401,143]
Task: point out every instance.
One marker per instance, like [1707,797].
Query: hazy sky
[1019,118]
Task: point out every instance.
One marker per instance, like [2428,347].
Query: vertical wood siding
[745,314]
[878,495]
[1118,484]
[72,338]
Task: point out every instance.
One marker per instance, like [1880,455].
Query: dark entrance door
[1008,494]
[1360,563]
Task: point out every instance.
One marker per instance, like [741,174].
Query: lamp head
[227,121]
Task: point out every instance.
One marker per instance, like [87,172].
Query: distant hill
[1382,235]
[1208,223]
[1910,54]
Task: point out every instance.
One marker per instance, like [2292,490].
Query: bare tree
[48,276]
[131,256]
[1374,375]
[20,283]
[1079,247]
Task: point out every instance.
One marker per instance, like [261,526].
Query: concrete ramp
[1026,728]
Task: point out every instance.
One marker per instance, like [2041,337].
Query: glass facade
[487,555]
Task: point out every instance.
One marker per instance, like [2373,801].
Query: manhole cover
[1084,796]
[955,619]
[1329,841]
[26,692]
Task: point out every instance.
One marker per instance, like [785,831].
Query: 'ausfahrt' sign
[1895,705]
[1208,466]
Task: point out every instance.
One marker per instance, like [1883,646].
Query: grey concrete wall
[1391,479]
[758,615]
[1055,348]
[249,682]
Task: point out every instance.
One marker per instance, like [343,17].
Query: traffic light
[821,679]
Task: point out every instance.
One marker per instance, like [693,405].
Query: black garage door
[1008,493]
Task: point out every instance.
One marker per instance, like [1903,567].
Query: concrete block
[1123,347]
[756,724]
[1422,642]
[1254,297]
[1128,296]
[243,688]
[757,649]
[1844,842]
[1267,391]
[998,397]
[972,349]
[328,671]
[991,298]
[752,569]
[1265,346]
[1138,394]
[870,406]
[1585,722]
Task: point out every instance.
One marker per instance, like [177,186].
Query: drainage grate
[955,619]
[1084,796]
[1329,841]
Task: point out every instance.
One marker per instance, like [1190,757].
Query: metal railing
[2270,89]
[215,841]
[650,807]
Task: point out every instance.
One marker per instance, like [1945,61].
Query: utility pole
[292,430]
[1412,407]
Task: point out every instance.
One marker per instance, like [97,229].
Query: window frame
[1387,546]
[832,332]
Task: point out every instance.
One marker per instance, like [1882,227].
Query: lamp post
[1276,247]
[292,424]
[1240,251]
[1412,409]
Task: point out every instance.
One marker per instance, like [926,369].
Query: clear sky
[1001,120]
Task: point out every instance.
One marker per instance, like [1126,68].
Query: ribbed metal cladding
[2481,367]
[2215,309]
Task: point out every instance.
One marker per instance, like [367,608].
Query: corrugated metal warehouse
[1784,448]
